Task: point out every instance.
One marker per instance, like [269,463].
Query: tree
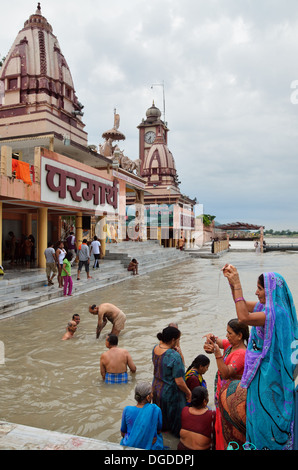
[207,219]
[2,61]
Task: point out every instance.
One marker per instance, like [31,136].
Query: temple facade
[51,180]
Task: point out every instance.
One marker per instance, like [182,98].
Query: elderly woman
[197,423]
[269,366]
[230,358]
[141,424]
[170,391]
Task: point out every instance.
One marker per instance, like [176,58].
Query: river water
[56,385]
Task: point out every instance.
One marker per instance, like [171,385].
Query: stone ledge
[19,437]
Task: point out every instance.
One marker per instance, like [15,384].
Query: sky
[227,71]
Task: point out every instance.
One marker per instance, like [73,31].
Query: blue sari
[269,369]
[141,425]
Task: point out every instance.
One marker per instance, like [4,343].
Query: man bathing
[115,361]
[108,312]
[71,328]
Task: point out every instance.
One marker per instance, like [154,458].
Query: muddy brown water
[56,385]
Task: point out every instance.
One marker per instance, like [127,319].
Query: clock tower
[149,129]
[157,162]
[171,211]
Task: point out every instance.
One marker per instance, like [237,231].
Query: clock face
[150,137]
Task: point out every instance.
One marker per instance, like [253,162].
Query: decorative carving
[125,162]
[107,149]
[42,49]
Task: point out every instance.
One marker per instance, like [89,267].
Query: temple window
[68,92]
[12,83]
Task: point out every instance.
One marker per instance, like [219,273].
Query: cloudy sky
[230,75]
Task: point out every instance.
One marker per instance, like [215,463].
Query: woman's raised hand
[231,273]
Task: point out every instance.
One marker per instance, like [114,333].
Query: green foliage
[207,219]
[281,233]
[2,60]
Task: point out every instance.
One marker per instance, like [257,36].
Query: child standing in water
[66,274]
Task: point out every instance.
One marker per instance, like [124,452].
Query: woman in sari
[141,424]
[269,366]
[194,374]
[230,421]
[170,391]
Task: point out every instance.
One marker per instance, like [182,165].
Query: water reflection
[54,384]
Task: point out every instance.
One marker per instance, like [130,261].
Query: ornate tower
[37,93]
[157,162]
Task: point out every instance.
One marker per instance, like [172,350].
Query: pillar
[6,161]
[42,234]
[79,228]
[103,223]
[159,235]
[262,239]
[0,232]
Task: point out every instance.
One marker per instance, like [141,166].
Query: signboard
[71,187]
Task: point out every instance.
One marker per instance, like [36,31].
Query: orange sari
[235,359]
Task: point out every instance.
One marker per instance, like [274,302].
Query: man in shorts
[115,361]
[108,312]
[51,263]
[84,259]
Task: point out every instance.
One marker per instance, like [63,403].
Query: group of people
[254,384]
[21,251]
[60,259]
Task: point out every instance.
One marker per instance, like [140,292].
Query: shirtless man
[70,330]
[114,362]
[109,312]
[133,266]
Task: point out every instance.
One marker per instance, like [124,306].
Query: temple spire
[38,11]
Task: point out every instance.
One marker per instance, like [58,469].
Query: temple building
[51,180]
[37,94]
[169,214]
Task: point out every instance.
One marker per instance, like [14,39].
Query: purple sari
[269,369]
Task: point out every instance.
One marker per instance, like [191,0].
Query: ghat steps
[24,289]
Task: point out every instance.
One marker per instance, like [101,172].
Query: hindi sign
[69,186]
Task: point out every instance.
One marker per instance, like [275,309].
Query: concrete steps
[147,253]
[22,290]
